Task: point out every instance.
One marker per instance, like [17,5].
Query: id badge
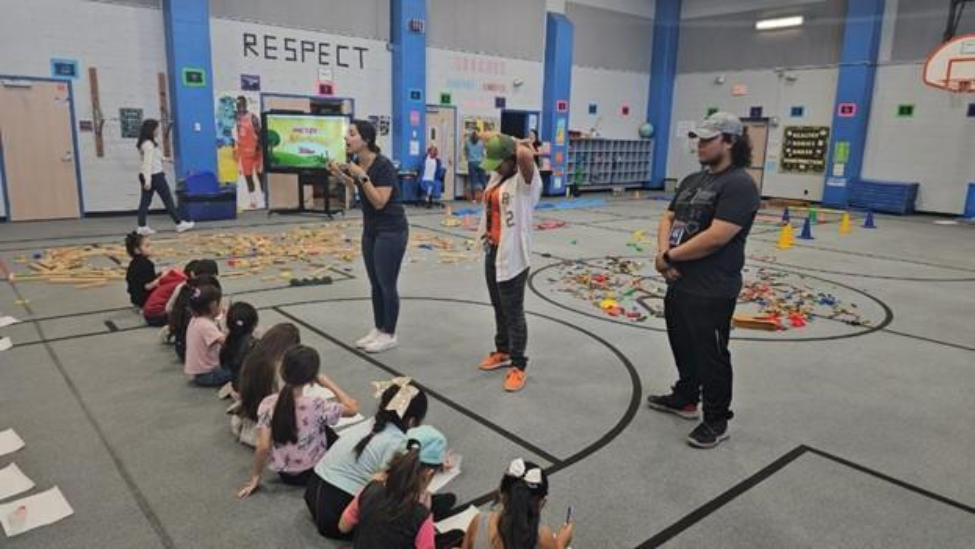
[677,233]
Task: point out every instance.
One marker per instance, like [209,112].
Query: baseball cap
[498,148]
[717,124]
[433,444]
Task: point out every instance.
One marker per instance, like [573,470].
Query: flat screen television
[301,143]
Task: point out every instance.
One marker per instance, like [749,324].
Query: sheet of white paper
[457,522]
[6,344]
[225,391]
[443,477]
[13,481]
[10,442]
[7,321]
[347,422]
[22,515]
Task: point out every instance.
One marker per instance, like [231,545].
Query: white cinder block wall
[813,89]
[609,90]
[369,85]
[471,77]
[127,46]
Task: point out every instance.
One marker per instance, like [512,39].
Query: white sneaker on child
[145,231]
[369,338]
[382,343]
[184,226]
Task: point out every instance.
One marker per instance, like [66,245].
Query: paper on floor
[7,321]
[457,522]
[443,477]
[347,422]
[6,344]
[10,442]
[23,515]
[13,481]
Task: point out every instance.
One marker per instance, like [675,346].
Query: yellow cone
[786,237]
[845,223]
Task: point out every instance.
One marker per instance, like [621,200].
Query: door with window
[758,132]
[442,133]
[37,144]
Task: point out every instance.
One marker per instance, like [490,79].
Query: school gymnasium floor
[854,431]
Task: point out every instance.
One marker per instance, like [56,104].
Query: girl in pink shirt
[204,339]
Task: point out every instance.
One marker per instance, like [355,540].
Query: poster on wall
[250,82]
[804,149]
[239,149]
[131,122]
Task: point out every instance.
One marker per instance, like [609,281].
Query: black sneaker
[673,404]
[709,434]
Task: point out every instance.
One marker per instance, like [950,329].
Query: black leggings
[698,328]
[383,254]
[326,504]
[508,300]
[160,186]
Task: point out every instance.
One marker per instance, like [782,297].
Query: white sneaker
[382,343]
[184,226]
[145,231]
[369,338]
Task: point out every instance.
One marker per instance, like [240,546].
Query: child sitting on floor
[195,268]
[204,339]
[258,378]
[141,275]
[182,313]
[293,428]
[154,310]
[523,492]
[241,322]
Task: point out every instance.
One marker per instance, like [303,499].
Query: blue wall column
[663,72]
[409,81]
[187,25]
[854,92]
[555,96]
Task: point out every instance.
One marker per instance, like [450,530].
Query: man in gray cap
[701,241]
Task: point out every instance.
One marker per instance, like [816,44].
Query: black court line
[930,340]
[863,275]
[702,512]
[432,393]
[140,498]
[632,408]
[112,327]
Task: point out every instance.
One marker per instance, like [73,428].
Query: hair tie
[239,323]
[532,477]
[413,444]
[196,293]
[402,399]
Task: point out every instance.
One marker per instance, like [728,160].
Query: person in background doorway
[474,149]
[385,230]
[428,180]
[153,179]
[505,234]
[248,147]
[701,253]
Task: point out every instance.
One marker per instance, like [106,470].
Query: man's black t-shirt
[382,173]
[730,196]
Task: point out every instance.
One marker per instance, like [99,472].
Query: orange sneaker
[515,380]
[494,361]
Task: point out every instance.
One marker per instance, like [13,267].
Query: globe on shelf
[646,131]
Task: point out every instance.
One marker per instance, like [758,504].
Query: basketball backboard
[952,65]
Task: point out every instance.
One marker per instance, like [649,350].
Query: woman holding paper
[385,230]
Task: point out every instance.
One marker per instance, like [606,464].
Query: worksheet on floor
[10,442]
[13,481]
[23,515]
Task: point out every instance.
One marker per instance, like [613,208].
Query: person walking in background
[153,179]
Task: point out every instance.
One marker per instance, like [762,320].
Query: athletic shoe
[383,342]
[145,231]
[515,380]
[184,226]
[672,404]
[709,434]
[363,342]
[495,361]
[253,203]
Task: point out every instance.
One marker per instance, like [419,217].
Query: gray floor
[846,436]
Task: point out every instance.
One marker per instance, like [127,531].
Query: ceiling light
[779,23]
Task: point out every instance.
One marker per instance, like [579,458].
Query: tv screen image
[297,142]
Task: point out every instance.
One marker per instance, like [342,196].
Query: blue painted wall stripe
[858,68]
[409,72]
[187,27]
[557,89]
[663,73]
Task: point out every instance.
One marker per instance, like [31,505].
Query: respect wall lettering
[293,50]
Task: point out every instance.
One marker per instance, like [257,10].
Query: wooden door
[758,132]
[282,188]
[442,132]
[38,150]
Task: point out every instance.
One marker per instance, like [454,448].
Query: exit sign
[445,98]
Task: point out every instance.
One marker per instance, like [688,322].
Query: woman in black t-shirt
[385,231]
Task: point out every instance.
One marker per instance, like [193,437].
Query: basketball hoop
[951,66]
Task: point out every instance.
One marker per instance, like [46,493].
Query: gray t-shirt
[730,196]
